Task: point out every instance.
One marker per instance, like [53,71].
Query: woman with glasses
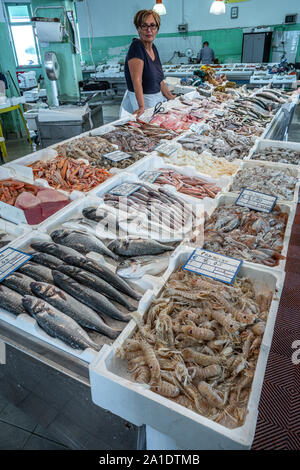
[143,70]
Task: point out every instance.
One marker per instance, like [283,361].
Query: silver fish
[138,247]
[54,249]
[104,273]
[44,259]
[58,324]
[80,241]
[82,314]
[19,283]
[11,301]
[95,283]
[92,299]
[135,268]
[37,272]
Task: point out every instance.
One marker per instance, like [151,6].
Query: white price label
[125,189]
[210,264]
[166,149]
[255,200]
[197,128]
[150,176]
[117,156]
[10,260]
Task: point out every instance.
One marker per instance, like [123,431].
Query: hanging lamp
[160,8]
[217,7]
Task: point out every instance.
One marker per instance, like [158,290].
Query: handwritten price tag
[210,264]
[166,149]
[125,189]
[10,260]
[255,200]
[150,176]
[116,156]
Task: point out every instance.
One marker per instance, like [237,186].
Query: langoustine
[210,374]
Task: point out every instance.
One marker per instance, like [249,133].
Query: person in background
[143,71]
[206,54]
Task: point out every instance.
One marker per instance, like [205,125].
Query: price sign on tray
[10,260]
[116,156]
[166,149]
[210,264]
[255,200]
[150,176]
[125,189]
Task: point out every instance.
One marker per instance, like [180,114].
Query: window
[23,38]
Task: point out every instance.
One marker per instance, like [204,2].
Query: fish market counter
[69,316]
[53,388]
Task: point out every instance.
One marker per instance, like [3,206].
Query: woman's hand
[139,112]
[171,96]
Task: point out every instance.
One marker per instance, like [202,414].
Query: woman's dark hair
[141,16]
[206,42]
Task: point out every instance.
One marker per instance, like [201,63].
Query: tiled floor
[18,431]
[19,147]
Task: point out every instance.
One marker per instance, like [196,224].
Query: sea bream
[96,284]
[58,324]
[82,314]
[104,273]
[37,272]
[11,301]
[80,241]
[92,299]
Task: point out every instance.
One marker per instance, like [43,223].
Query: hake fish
[96,284]
[138,247]
[19,283]
[37,272]
[82,314]
[92,299]
[104,273]
[11,301]
[58,324]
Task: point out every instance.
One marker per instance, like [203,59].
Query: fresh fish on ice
[92,299]
[11,301]
[58,324]
[138,247]
[95,283]
[135,268]
[82,314]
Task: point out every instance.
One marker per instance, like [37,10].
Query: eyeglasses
[151,26]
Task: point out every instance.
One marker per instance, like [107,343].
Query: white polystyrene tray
[195,204]
[20,169]
[112,388]
[75,210]
[263,144]
[15,231]
[154,162]
[28,324]
[276,166]
[14,214]
[289,208]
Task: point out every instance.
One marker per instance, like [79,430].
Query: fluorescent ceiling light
[160,8]
[217,7]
